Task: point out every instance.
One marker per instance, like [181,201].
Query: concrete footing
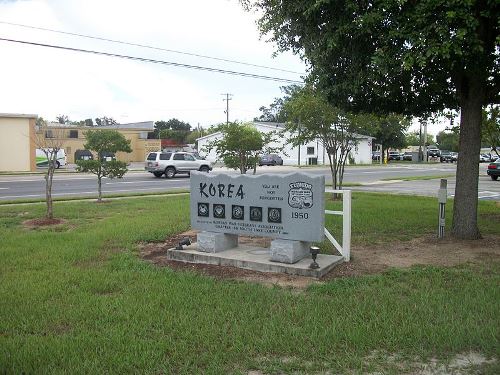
[212,242]
[255,259]
[287,251]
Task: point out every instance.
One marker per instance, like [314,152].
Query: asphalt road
[373,178]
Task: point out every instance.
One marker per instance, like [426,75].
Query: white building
[310,153]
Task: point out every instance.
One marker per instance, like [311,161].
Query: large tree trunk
[466,190]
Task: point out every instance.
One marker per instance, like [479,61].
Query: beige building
[73,139]
[17,140]
[17,148]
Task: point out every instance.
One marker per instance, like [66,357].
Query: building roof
[144,125]
[275,126]
[18,115]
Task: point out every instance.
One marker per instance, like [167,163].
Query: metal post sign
[290,206]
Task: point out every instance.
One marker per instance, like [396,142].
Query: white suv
[171,163]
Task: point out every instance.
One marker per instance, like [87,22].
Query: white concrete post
[442,196]
[346,226]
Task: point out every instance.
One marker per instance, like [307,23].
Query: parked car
[376,155]
[408,156]
[490,156]
[483,158]
[446,157]
[171,163]
[494,169]
[394,155]
[454,156]
[433,152]
[270,159]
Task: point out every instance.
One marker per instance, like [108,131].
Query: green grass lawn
[76,299]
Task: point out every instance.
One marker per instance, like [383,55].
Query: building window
[49,134]
[310,151]
[73,133]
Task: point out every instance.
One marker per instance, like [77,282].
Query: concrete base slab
[255,259]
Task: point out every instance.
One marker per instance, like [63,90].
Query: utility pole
[426,155]
[228,98]
[420,154]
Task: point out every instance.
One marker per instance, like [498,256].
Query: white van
[42,161]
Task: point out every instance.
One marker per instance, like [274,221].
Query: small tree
[103,142]
[50,141]
[312,117]
[241,145]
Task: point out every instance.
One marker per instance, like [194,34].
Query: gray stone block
[211,242]
[286,251]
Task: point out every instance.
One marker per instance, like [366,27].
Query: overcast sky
[51,82]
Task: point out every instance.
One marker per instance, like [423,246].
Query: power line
[147,46]
[163,62]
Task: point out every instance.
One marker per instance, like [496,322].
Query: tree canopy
[241,145]
[388,130]
[172,129]
[103,142]
[103,121]
[408,57]
[447,140]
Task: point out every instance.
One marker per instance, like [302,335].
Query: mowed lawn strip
[76,298]
[381,218]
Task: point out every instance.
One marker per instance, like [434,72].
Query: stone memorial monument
[288,208]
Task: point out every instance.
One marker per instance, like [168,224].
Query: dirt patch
[459,364]
[364,259]
[42,222]
[423,250]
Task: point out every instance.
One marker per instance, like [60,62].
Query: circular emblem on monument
[256,213]
[274,215]
[238,212]
[219,211]
[203,209]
